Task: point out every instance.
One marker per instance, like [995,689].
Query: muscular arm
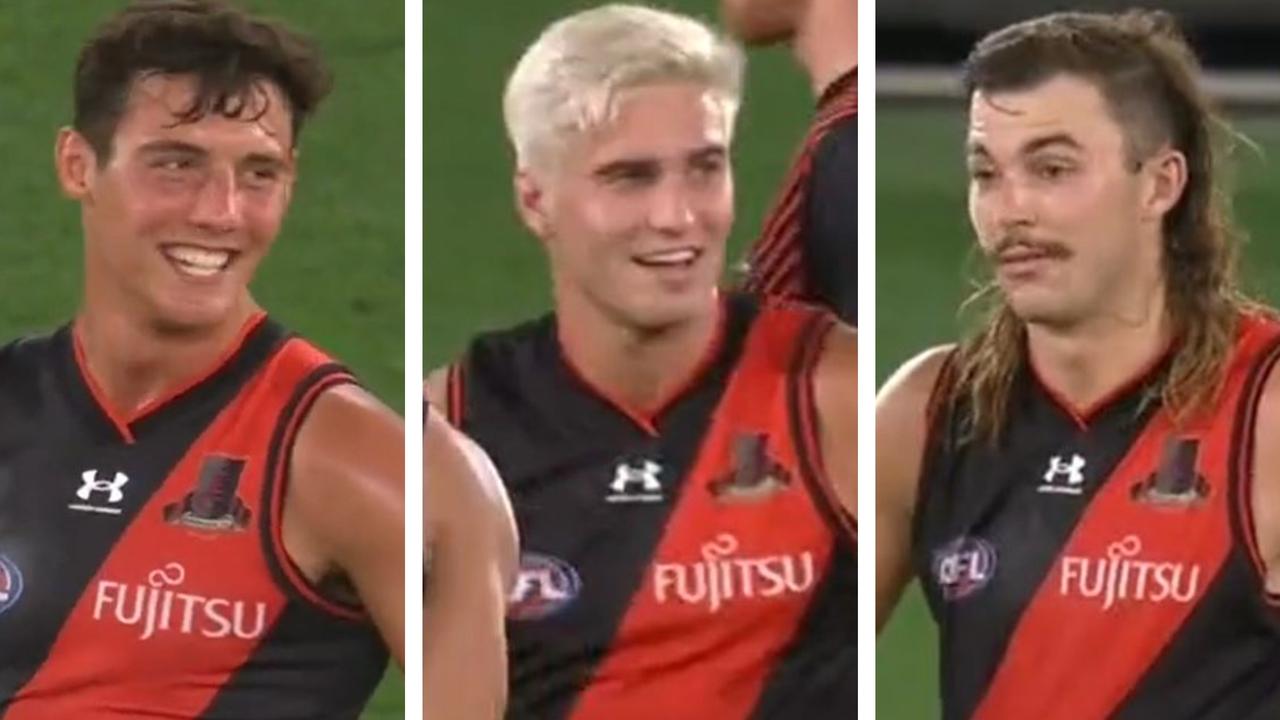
[900,438]
[344,507]
[836,396]
[473,559]
[1266,481]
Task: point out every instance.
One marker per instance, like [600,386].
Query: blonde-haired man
[681,462]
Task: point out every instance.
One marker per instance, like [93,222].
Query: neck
[641,369]
[826,41]
[1086,362]
[134,363]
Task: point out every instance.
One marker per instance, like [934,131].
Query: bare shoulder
[348,457]
[464,494]
[839,361]
[437,385]
[1265,498]
[351,441]
[901,426]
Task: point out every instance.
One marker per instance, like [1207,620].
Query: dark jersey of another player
[1102,564]
[807,249]
[142,572]
[691,563]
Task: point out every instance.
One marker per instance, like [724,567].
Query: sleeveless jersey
[685,565]
[1101,564]
[799,255]
[142,572]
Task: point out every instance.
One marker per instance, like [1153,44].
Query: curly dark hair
[229,52]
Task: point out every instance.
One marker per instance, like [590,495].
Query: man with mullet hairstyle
[1088,487]
[681,462]
[202,514]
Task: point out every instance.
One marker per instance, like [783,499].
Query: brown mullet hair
[1149,76]
[228,51]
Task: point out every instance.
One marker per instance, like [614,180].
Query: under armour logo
[92,483]
[643,474]
[1071,472]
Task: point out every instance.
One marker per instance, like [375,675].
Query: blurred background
[923,238]
[482,270]
[336,274]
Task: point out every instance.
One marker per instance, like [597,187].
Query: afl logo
[963,566]
[546,586]
[10,584]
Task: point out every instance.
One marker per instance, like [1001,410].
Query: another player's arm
[1266,481]
[472,562]
[344,506]
[901,429]
[836,396]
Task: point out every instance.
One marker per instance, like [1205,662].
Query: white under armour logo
[644,474]
[1073,472]
[91,483]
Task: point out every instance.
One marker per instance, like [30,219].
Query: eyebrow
[160,146]
[1031,147]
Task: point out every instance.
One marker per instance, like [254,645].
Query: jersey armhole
[1240,499]
[805,428]
[936,416]
[283,570]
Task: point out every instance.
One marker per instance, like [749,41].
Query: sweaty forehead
[1006,120]
[157,103]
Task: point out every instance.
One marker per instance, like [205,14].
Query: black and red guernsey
[688,564]
[141,564]
[1102,564]
[807,248]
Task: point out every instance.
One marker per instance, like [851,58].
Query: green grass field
[923,240]
[481,269]
[337,273]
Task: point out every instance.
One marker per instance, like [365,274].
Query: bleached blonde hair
[569,80]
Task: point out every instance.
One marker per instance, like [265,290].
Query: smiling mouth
[196,261]
[677,257]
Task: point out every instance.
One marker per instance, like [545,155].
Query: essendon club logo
[10,584]
[213,505]
[1175,483]
[755,475]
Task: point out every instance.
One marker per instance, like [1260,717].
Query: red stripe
[811,438]
[454,397]
[775,260]
[1063,634]
[99,665]
[1244,476]
[674,659]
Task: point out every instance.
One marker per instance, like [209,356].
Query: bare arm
[901,409]
[836,397]
[344,507]
[473,559]
[1266,481]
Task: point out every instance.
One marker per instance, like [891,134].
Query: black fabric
[831,227]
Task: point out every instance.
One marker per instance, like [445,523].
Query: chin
[665,313]
[183,318]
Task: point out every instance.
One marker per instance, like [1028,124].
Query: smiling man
[1088,487]
[680,462]
[179,473]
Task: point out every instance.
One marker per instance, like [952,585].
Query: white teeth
[669,257]
[198,261]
